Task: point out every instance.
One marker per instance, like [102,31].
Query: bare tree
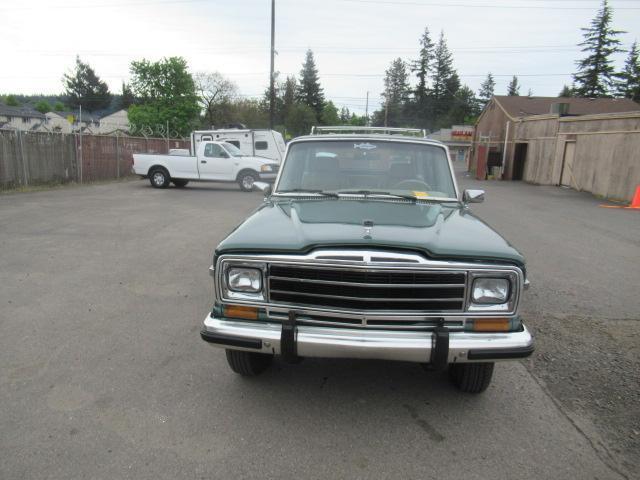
[214,91]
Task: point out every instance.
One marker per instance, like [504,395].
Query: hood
[439,231]
[260,160]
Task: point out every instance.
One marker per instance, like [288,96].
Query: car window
[409,168]
[232,149]
[213,150]
[261,145]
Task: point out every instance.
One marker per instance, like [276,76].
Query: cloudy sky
[354,40]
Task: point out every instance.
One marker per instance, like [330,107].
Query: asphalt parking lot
[103,373]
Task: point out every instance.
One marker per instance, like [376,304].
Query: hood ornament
[368,226]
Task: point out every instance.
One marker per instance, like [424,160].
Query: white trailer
[256,143]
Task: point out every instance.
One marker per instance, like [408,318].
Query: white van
[256,143]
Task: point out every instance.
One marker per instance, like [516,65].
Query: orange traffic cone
[634,205]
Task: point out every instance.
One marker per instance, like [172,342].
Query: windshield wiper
[316,192]
[367,193]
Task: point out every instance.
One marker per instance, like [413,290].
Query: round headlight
[244,279]
[490,290]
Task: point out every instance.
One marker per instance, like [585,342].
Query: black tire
[471,377]
[159,178]
[180,183]
[246,178]
[248,364]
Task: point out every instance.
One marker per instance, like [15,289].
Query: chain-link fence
[28,158]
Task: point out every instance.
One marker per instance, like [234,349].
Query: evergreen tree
[396,94]
[345,115]
[84,88]
[629,79]
[422,68]
[595,76]
[288,95]
[513,90]
[309,90]
[486,90]
[566,91]
[126,98]
[11,101]
[444,80]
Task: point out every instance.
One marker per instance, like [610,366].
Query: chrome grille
[367,289]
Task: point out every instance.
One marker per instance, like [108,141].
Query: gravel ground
[583,306]
[103,373]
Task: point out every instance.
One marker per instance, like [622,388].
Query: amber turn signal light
[239,311]
[491,325]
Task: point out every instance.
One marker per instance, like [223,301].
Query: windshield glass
[232,149]
[367,167]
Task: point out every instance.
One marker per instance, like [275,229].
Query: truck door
[214,163]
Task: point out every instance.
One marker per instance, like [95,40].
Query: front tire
[246,179]
[248,364]
[159,178]
[471,377]
[180,183]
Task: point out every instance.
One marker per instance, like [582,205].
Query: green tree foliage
[513,90]
[288,95]
[309,90]
[43,106]
[84,88]
[395,95]
[596,74]
[566,91]
[167,93]
[300,119]
[214,90]
[445,81]
[58,106]
[486,90]
[11,101]
[422,69]
[464,108]
[628,84]
[329,114]
[127,98]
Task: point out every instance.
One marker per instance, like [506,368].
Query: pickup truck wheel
[248,364]
[246,180]
[471,377]
[180,183]
[159,178]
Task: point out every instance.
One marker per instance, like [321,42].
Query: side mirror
[264,187]
[473,196]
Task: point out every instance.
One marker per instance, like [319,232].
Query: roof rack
[414,132]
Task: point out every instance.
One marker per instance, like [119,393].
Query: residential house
[22,118]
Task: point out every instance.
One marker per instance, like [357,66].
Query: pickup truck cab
[213,162]
[367,249]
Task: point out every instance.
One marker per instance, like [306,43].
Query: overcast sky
[353,40]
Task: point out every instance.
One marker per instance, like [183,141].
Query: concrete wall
[607,152]
[39,158]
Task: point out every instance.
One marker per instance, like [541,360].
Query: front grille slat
[367,289]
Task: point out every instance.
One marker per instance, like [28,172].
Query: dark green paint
[439,231]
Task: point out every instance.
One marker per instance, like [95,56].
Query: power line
[466,5]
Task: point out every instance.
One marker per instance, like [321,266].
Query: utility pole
[80,126]
[272,87]
[366,112]
[386,111]
[167,136]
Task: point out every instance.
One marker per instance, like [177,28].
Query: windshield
[368,167]
[232,149]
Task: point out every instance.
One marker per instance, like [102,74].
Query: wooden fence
[28,158]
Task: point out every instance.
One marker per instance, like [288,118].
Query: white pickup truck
[213,162]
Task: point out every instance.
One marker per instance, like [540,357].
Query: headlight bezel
[231,294]
[508,305]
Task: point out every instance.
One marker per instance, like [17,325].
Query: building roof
[20,112]
[516,106]
[86,117]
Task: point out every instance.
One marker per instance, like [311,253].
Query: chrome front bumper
[268,177]
[329,342]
